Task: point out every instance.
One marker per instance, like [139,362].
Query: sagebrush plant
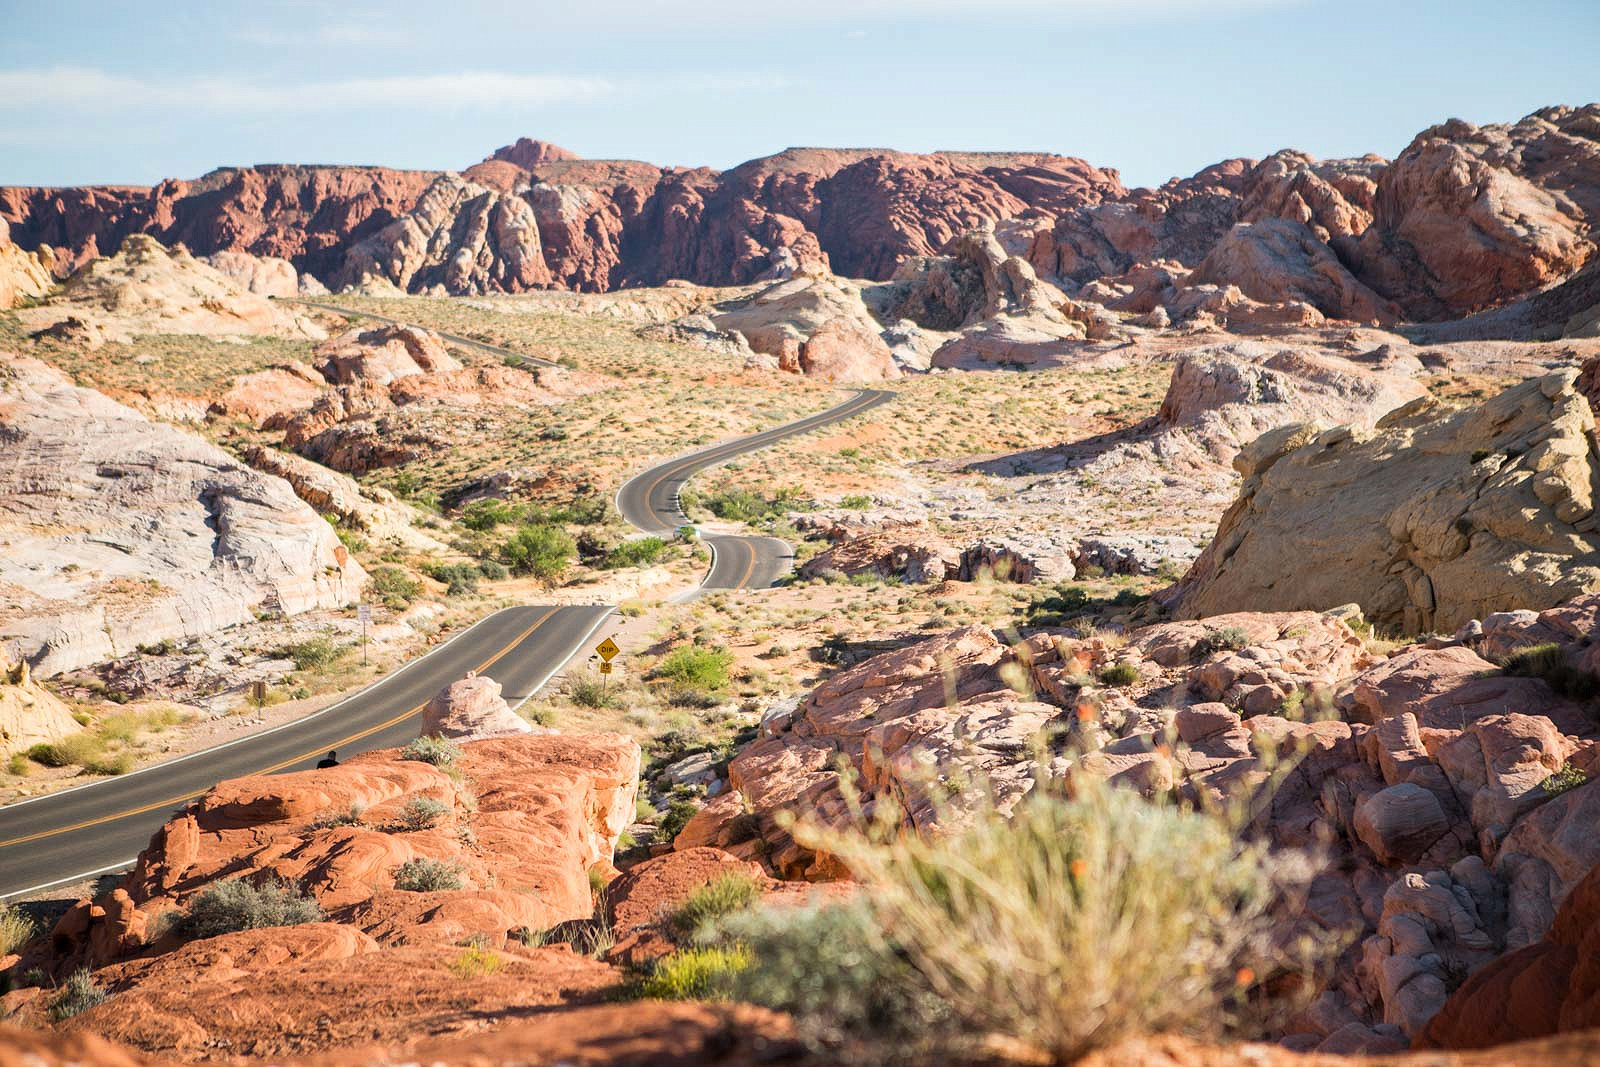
[712,902]
[1221,639]
[593,692]
[1075,922]
[697,666]
[337,817]
[1120,675]
[434,750]
[422,813]
[78,994]
[235,904]
[16,928]
[426,876]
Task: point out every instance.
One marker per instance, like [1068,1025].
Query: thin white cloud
[85,89]
[329,35]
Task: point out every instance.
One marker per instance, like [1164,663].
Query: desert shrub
[426,876]
[744,505]
[312,654]
[639,552]
[696,666]
[488,513]
[589,692]
[832,967]
[1549,662]
[334,818]
[678,814]
[704,973]
[394,587]
[16,928]
[543,550]
[712,902]
[476,961]
[1119,674]
[1072,924]
[493,571]
[78,994]
[459,578]
[421,813]
[69,751]
[235,904]
[1568,777]
[434,750]
[856,502]
[1222,639]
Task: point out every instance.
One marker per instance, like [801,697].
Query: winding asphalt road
[65,837]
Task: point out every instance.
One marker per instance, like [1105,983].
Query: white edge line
[553,671]
[166,764]
[120,864]
[107,869]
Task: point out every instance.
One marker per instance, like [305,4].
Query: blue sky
[119,92]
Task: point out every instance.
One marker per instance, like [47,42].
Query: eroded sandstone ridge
[117,531]
[1465,218]
[1431,519]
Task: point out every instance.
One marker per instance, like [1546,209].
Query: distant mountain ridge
[1464,219]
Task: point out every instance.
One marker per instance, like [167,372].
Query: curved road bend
[650,500]
[455,339]
[65,837]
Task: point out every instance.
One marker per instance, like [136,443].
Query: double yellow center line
[352,739]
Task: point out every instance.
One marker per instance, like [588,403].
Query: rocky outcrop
[262,275]
[1429,793]
[373,511]
[1467,216]
[813,324]
[459,238]
[1549,987]
[1278,260]
[29,713]
[147,288]
[471,709]
[1429,520]
[22,274]
[119,531]
[909,552]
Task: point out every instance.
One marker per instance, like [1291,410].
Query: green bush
[69,751]
[486,514]
[312,654]
[394,587]
[587,692]
[697,666]
[434,750]
[422,813]
[493,571]
[705,973]
[743,505]
[856,502]
[1119,674]
[1549,662]
[543,550]
[459,578]
[835,971]
[1070,925]
[426,876]
[1224,639]
[712,902]
[639,552]
[77,995]
[678,814]
[476,961]
[235,904]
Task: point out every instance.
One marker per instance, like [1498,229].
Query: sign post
[608,651]
[258,695]
[364,613]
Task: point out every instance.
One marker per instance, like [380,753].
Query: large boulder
[471,709]
[1277,260]
[815,324]
[29,713]
[119,531]
[1429,520]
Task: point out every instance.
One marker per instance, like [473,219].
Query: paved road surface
[67,836]
[650,500]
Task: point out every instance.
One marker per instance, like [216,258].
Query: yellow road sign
[605,666]
[608,649]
